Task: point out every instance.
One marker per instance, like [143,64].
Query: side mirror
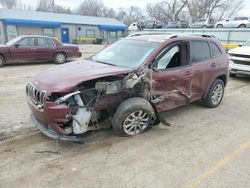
[17,45]
[241,44]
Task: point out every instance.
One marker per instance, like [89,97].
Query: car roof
[40,36]
[164,37]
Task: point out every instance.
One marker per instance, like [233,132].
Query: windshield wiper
[105,63]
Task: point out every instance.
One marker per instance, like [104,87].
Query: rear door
[204,68]
[45,49]
[172,75]
[24,50]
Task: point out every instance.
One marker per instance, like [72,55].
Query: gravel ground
[203,147]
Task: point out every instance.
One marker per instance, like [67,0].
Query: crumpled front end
[57,119]
[89,106]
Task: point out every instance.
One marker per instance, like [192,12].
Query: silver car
[237,22]
[203,23]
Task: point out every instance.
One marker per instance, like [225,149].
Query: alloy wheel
[60,58]
[217,94]
[136,122]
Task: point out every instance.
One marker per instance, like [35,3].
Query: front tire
[60,58]
[133,117]
[214,95]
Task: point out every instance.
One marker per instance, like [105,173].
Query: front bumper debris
[52,134]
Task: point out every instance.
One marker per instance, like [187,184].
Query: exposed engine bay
[95,101]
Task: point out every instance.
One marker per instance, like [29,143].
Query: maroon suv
[31,48]
[128,85]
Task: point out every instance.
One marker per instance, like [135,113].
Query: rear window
[215,51]
[199,51]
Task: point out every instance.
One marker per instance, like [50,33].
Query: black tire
[60,58]
[219,26]
[2,61]
[126,109]
[208,100]
[242,26]
[204,26]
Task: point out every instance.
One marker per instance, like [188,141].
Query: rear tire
[214,95]
[133,117]
[242,26]
[60,58]
[2,61]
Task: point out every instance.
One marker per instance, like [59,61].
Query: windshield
[13,41]
[201,20]
[126,53]
[172,23]
[247,43]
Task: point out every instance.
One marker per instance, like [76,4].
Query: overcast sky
[124,3]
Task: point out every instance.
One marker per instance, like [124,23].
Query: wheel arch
[1,54]
[222,77]
[60,51]
[242,25]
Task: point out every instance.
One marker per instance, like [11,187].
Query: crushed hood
[63,78]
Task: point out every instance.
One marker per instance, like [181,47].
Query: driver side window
[170,59]
[27,42]
[175,56]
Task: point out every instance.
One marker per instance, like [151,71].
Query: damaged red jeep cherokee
[127,85]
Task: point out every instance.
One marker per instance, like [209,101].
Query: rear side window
[199,51]
[43,42]
[215,51]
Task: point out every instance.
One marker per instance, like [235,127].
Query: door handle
[33,48]
[187,73]
[213,65]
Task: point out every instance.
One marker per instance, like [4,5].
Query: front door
[172,76]
[24,50]
[65,35]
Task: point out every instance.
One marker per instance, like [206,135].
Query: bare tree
[108,12]
[10,4]
[166,10]
[130,15]
[91,8]
[219,9]
[49,6]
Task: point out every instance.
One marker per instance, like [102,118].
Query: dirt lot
[203,147]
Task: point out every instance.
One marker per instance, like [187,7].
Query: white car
[240,60]
[203,23]
[237,22]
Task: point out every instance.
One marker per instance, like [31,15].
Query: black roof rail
[204,35]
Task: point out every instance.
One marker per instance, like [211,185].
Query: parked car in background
[34,48]
[145,24]
[204,23]
[237,22]
[127,85]
[178,24]
[240,60]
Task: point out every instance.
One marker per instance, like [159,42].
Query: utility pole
[53,5]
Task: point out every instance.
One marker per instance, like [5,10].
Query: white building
[67,28]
